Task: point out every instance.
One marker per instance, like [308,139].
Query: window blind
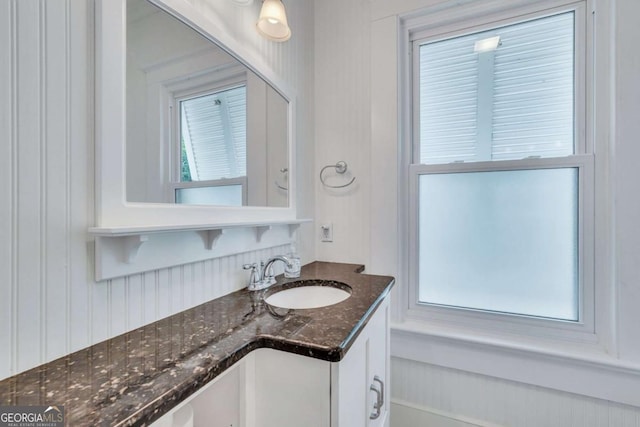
[518,100]
[448,100]
[213,130]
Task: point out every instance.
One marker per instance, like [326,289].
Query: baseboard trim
[407,414]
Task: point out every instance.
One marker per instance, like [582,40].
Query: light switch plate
[326,232]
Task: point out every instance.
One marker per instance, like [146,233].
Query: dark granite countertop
[134,378]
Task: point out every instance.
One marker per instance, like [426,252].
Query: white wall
[344,67]
[627,175]
[49,304]
[342,120]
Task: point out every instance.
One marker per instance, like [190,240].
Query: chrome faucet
[262,277]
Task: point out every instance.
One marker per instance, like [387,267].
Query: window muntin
[468,132]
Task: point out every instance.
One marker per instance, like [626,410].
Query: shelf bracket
[260,230]
[131,245]
[210,237]
[292,229]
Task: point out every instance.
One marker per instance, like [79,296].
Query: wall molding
[430,395]
[596,375]
[405,414]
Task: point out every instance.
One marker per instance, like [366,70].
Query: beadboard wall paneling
[78,209]
[54,164]
[343,127]
[423,393]
[49,303]
[7,184]
[30,225]
[122,304]
[627,151]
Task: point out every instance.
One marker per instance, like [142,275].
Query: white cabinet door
[221,404]
[359,392]
[288,390]
[217,404]
[348,391]
[378,367]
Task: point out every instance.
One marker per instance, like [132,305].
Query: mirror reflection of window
[213,148]
[202,128]
[216,195]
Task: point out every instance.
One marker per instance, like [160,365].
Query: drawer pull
[378,380]
[376,406]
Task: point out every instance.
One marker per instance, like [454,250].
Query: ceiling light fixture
[272,23]
[487,45]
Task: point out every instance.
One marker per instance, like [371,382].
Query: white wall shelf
[125,250]
[124,230]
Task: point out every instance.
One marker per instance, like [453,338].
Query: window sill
[575,368]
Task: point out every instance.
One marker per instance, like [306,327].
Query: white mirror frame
[112,208]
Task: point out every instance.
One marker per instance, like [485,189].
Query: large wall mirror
[191,126]
[202,128]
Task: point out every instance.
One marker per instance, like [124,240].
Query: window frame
[583,158]
[242,181]
[220,84]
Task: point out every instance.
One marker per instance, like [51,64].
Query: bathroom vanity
[233,361]
[274,388]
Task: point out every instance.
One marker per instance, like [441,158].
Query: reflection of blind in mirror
[213,135]
[513,102]
[503,241]
[222,195]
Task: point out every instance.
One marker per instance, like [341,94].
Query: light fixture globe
[272,23]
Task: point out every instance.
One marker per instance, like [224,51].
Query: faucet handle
[250,266]
[254,278]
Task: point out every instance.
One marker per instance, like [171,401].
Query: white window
[212,133]
[501,183]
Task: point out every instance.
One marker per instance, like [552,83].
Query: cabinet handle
[376,406]
[379,397]
[381,400]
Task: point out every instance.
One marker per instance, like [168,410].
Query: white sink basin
[308,296]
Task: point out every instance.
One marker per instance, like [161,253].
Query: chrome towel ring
[284,172]
[341,168]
